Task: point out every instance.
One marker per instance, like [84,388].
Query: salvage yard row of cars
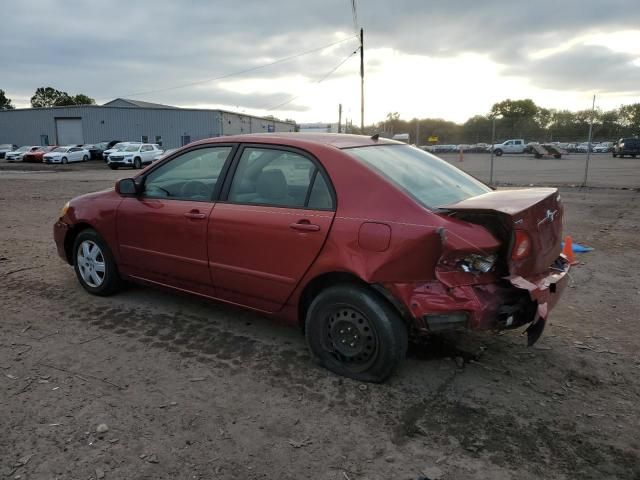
[116,154]
[621,148]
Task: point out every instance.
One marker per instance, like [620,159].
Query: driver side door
[162,232]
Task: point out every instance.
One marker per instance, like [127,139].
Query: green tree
[518,115]
[5,103]
[50,97]
[82,99]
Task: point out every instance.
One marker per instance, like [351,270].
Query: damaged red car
[361,241]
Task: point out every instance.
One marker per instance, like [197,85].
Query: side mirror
[127,186]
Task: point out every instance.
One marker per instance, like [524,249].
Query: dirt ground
[189,389]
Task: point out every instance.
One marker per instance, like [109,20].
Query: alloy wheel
[91,263]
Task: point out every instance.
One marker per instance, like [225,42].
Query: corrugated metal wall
[26,127]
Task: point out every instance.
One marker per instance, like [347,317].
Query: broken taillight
[521,246]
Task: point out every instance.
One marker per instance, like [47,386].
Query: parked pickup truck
[509,146]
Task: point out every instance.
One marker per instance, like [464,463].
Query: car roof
[338,140]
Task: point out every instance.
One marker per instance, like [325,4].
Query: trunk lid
[537,211]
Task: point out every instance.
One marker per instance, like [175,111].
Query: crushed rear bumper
[511,302]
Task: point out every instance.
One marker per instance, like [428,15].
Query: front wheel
[353,332]
[85,159]
[64,160]
[498,152]
[94,264]
[137,163]
[113,167]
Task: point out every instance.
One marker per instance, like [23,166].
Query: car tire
[614,155]
[633,156]
[621,155]
[113,167]
[498,152]
[94,264]
[137,163]
[354,332]
[64,160]
[85,159]
[557,155]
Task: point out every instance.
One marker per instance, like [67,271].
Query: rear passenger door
[269,225]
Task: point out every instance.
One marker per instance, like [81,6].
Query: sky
[423,59]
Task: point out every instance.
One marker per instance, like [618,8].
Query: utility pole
[339,118]
[586,167]
[362,81]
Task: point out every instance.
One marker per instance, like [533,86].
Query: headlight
[64,210]
[477,263]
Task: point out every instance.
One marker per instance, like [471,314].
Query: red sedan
[36,155]
[363,242]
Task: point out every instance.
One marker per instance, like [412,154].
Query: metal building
[127,120]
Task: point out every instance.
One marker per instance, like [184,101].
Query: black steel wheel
[354,332]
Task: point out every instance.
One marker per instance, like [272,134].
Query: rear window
[428,179]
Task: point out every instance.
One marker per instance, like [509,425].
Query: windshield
[23,149]
[4,146]
[132,148]
[59,149]
[428,179]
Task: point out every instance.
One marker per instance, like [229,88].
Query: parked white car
[67,154]
[604,147]
[18,155]
[516,145]
[134,156]
[116,148]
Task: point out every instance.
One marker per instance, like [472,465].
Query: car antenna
[375,137]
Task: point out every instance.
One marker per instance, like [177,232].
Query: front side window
[190,176]
[428,179]
[278,178]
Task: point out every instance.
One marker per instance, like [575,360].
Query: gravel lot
[192,389]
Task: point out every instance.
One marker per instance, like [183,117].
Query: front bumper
[508,303]
[60,230]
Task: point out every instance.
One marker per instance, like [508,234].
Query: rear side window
[190,176]
[428,179]
[279,178]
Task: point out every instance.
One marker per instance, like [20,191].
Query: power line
[232,74]
[322,79]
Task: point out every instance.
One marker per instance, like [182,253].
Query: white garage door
[69,131]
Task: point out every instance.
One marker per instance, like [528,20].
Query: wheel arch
[328,279]
[71,236]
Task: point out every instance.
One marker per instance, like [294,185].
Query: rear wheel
[614,155]
[137,163]
[85,159]
[64,160]
[498,153]
[94,264]
[353,332]
[557,155]
[113,167]
[621,155]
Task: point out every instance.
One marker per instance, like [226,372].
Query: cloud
[583,68]
[120,47]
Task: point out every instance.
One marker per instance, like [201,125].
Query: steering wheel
[194,188]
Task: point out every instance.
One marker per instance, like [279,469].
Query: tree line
[518,119]
[513,119]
